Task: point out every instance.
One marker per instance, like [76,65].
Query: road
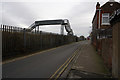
[40,65]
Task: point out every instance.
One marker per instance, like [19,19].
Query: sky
[22,13]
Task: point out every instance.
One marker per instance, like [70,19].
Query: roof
[115,17]
[110,6]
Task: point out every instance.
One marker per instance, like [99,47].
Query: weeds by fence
[16,40]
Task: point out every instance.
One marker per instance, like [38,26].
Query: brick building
[101,18]
[102,30]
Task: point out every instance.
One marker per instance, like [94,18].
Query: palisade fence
[16,41]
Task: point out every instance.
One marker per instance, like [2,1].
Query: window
[105,19]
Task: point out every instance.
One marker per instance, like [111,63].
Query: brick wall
[106,52]
[105,49]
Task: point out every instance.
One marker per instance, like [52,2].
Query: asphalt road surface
[41,65]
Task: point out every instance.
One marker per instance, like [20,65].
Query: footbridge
[63,22]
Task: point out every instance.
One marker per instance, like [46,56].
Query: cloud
[23,13]
[80,17]
[16,13]
[66,1]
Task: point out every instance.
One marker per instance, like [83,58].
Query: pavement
[88,64]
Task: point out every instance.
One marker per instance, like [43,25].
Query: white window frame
[105,16]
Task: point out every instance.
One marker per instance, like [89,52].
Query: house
[102,30]
[101,18]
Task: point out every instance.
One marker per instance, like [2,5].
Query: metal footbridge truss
[63,22]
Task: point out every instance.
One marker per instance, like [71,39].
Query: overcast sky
[23,13]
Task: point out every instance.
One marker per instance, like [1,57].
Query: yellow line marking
[64,64]
[64,67]
[61,66]
[12,60]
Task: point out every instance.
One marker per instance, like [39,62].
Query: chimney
[98,5]
[111,1]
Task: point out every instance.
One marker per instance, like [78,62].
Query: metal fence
[16,40]
[106,33]
[6,28]
[102,33]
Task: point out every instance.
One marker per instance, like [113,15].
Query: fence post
[24,35]
[41,39]
[38,29]
[35,30]
[1,27]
